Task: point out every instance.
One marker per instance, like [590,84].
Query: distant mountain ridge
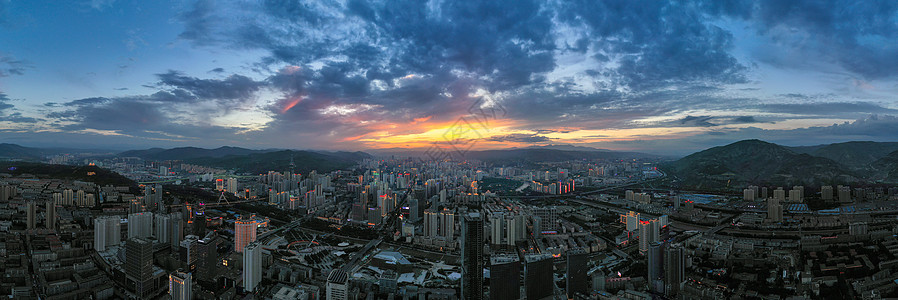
[852,154]
[756,162]
[304,161]
[185,153]
[548,155]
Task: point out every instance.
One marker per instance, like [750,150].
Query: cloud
[520,138]
[234,87]
[14,117]
[10,66]
[101,4]
[830,108]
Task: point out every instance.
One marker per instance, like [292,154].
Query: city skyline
[660,77]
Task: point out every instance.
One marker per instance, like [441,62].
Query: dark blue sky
[654,76]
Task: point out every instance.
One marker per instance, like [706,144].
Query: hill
[305,161]
[851,154]
[187,153]
[16,152]
[529,155]
[886,168]
[755,162]
[93,174]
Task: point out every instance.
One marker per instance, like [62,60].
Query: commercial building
[472,242]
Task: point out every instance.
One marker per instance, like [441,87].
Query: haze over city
[659,77]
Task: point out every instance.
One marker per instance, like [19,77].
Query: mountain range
[739,163]
[762,163]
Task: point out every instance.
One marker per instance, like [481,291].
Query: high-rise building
[505,278]
[337,285]
[472,256]
[655,266]
[748,195]
[538,276]
[577,268]
[826,193]
[68,197]
[632,219]
[647,235]
[779,194]
[107,232]
[497,228]
[207,257]
[187,252]
[549,217]
[774,210]
[140,225]
[176,222]
[139,265]
[244,233]
[674,269]
[252,266]
[31,218]
[796,194]
[447,223]
[511,229]
[232,186]
[163,228]
[50,222]
[431,223]
[180,286]
[844,193]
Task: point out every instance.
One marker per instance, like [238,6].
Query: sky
[652,76]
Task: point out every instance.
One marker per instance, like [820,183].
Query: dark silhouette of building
[207,257]
[139,265]
[674,269]
[538,280]
[505,278]
[655,265]
[577,267]
[472,256]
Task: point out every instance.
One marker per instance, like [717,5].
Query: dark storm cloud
[234,87]
[520,138]
[855,34]
[661,42]
[709,121]
[830,108]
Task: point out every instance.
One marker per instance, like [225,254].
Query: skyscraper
[674,269]
[337,287]
[187,252]
[140,225]
[646,235]
[30,208]
[51,215]
[107,232]
[244,233]
[472,257]
[577,267]
[180,286]
[252,266]
[431,223]
[177,224]
[207,257]
[163,228]
[655,265]
[538,276]
[774,210]
[139,265]
[505,278]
